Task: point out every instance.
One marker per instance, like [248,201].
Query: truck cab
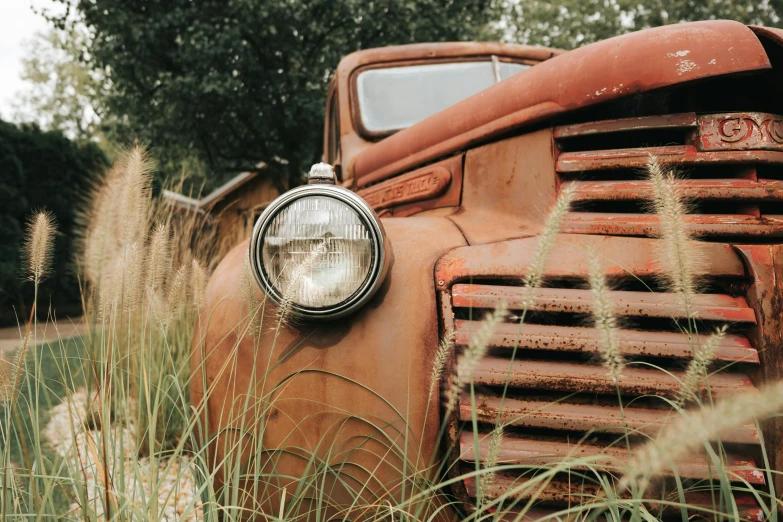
[459,149]
[377,92]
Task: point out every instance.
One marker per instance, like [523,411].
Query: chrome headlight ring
[345,199]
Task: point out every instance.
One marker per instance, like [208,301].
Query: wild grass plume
[295,283]
[158,262]
[117,212]
[177,294]
[475,351]
[693,430]
[39,246]
[603,317]
[493,454]
[135,201]
[546,239]
[131,287]
[698,367]
[249,287]
[439,364]
[679,255]
[12,369]
[198,283]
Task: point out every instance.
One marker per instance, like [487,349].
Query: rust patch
[519,450]
[639,190]
[741,131]
[648,224]
[639,157]
[573,377]
[563,416]
[718,307]
[629,255]
[765,264]
[416,186]
[668,121]
[587,340]
[608,70]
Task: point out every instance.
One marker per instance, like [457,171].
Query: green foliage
[237,82]
[570,23]
[63,92]
[40,170]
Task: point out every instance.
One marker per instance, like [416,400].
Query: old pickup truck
[444,160]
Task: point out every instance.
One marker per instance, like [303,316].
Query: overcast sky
[18,23]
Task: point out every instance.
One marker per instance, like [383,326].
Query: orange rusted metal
[320,380]
[748,131]
[740,142]
[473,184]
[711,307]
[564,493]
[648,225]
[765,264]
[671,154]
[552,388]
[573,377]
[541,452]
[435,186]
[580,417]
[592,128]
[416,186]
[721,189]
[597,73]
[587,340]
[624,256]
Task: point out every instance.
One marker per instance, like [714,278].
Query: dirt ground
[11,338]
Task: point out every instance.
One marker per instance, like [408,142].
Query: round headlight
[320,249]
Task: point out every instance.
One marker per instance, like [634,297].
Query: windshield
[396,98]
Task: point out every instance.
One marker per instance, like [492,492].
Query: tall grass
[102,427]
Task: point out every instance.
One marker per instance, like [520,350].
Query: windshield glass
[396,98]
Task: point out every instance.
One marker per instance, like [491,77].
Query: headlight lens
[321,249]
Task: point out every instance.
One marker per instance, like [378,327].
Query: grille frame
[458,268]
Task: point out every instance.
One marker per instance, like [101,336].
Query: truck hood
[607,70]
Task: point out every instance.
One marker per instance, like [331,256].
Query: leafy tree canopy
[234,82]
[62,91]
[570,23]
[215,86]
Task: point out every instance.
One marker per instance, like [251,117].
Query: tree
[236,82]
[41,170]
[62,92]
[570,23]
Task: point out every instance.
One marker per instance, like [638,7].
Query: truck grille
[732,162]
[561,405]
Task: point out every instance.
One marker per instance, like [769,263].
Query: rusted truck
[445,159]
